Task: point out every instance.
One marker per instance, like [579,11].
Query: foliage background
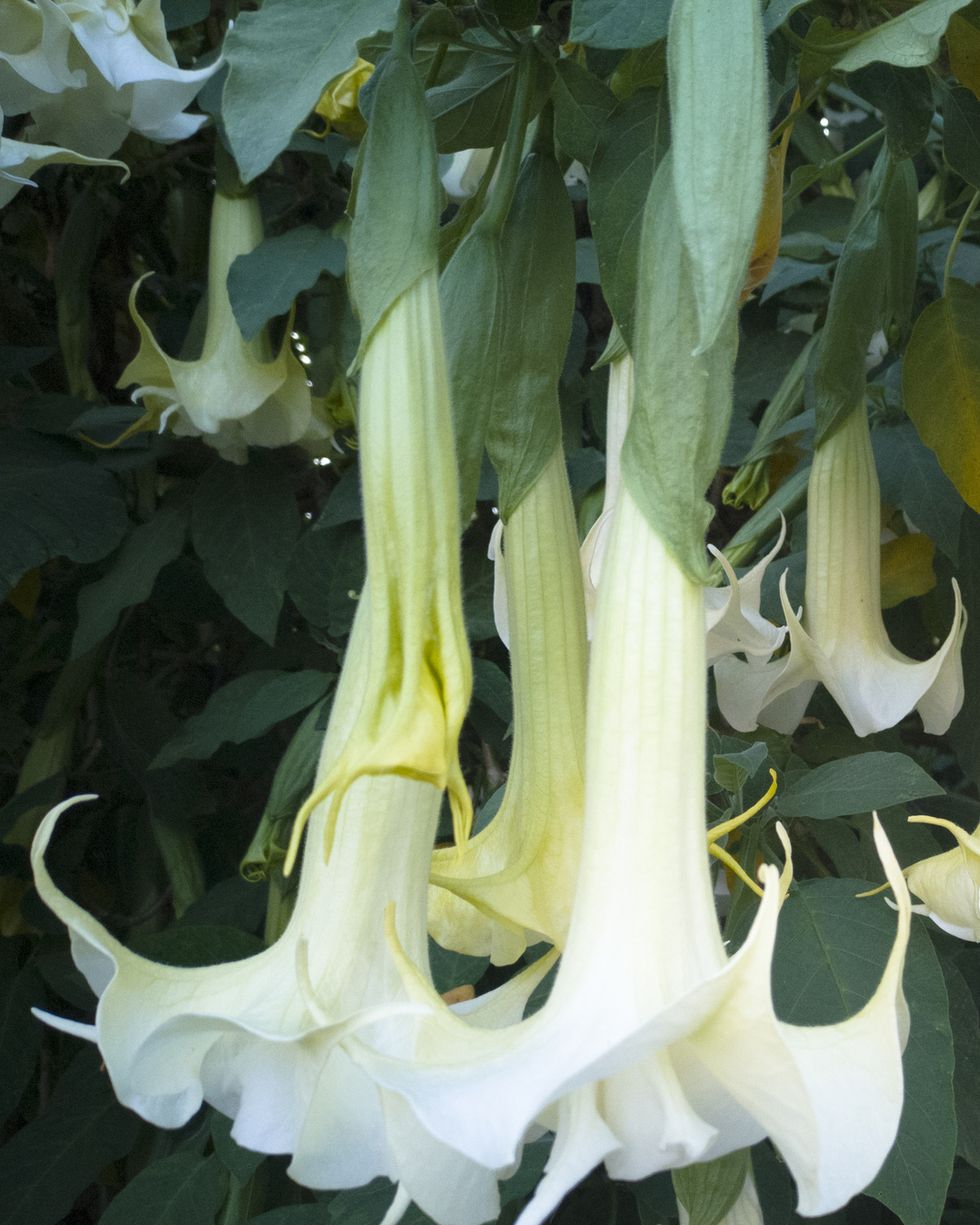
[173,624]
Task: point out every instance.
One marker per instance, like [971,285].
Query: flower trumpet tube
[949,883]
[237,393]
[513,882]
[842,640]
[654,1052]
[89,71]
[419,672]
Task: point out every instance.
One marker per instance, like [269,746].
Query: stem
[839,160]
[954,245]
[493,217]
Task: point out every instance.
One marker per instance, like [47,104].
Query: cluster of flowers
[655,1049]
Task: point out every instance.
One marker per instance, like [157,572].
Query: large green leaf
[944,352]
[129,580]
[904,97]
[909,40]
[856,784]
[912,479]
[583,103]
[631,143]
[266,281]
[53,504]
[20,1034]
[182,1189]
[470,110]
[45,1166]
[966,1047]
[708,1189]
[280,59]
[243,525]
[961,138]
[618,24]
[243,709]
[965,732]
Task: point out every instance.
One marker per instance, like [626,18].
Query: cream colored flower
[949,883]
[20,161]
[842,641]
[512,883]
[91,71]
[238,393]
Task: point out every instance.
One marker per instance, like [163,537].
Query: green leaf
[243,524]
[182,1189]
[241,710]
[582,103]
[20,1033]
[130,578]
[966,1048]
[280,60]
[682,402]
[965,732]
[777,11]
[470,110]
[708,1189]
[904,97]
[450,969]
[241,1162]
[856,784]
[961,139]
[537,262]
[53,504]
[910,40]
[50,1161]
[178,14]
[295,1214]
[916,1173]
[617,24]
[265,282]
[912,480]
[631,143]
[393,234]
[733,770]
[944,351]
[873,285]
[195,944]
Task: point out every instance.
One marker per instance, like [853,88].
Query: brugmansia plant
[491,735]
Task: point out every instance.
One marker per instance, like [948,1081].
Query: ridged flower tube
[91,71]
[237,393]
[654,1052]
[513,882]
[841,640]
[419,673]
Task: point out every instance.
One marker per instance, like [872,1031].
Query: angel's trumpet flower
[842,640]
[237,393]
[91,71]
[20,161]
[654,1051]
[949,883]
[513,882]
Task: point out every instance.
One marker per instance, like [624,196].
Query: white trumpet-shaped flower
[841,640]
[237,393]
[733,621]
[91,71]
[513,882]
[652,1051]
[20,161]
[949,883]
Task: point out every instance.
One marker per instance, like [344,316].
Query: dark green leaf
[130,578]
[965,732]
[266,281]
[904,97]
[450,969]
[295,1214]
[243,709]
[708,1189]
[873,286]
[528,1173]
[583,103]
[777,11]
[182,1189]
[53,504]
[470,111]
[244,521]
[241,1162]
[491,687]
[20,1032]
[197,945]
[912,479]
[315,41]
[178,14]
[45,1166]
[367,1205]
[326,573]
[961,133]
[966,1048]
[631,144]
[617,24]
[856,784]
[916,1173]
[733,770]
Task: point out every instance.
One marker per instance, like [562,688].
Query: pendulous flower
[237,393]
[842,641]
[91,71]
[20,161]
[949,883]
